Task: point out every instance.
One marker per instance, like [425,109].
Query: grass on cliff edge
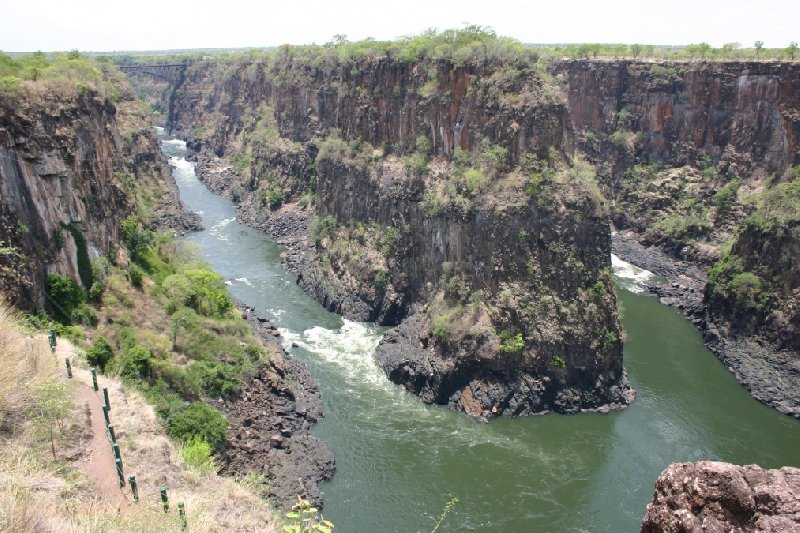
[40,493]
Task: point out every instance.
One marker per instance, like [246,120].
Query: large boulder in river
[720,497]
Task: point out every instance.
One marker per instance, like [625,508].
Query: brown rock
[709,496]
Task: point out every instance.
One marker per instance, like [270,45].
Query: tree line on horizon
[471,43]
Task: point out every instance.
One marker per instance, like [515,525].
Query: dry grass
[40,494]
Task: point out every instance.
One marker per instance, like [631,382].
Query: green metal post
[115,448]
[94,378]
[52,339]
[134,488]
[69,367]
[105,397]
[119,472]
[112,434]
[165,499]
[105,414]
[182,513]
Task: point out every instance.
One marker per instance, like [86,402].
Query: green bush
[381,279]
[136,275]
[135,238]
[84,315]
[99,353]
[198,420]
[176,379]
[441,328]
[558,362]
[321,227]
[134,362]
[725,197]
[217,379]
[275,199]
[65,295]
[196,454]
[609,339]
[96,291]
[511,341]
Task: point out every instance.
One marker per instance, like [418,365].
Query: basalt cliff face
[698,161]
[447,199]
[71,162]
[702,162]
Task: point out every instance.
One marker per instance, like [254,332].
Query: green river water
[399,461]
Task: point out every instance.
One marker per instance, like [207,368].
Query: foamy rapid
[350,347]
[631,277]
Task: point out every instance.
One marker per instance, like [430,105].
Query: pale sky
[91,25]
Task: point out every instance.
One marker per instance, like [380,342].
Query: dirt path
[98,462]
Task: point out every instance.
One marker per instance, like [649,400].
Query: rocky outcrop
[711,496]
[269,426]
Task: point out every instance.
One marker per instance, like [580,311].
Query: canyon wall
[71,164]
[447,193]
[702,161]
[698,160]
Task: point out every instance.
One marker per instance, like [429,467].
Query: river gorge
[399,461]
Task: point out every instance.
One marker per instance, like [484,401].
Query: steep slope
[72,163]
[701,162]
[444,189]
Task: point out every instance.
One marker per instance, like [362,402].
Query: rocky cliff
[698,160]
[712,496]
[448,192]
[72,162]
[701,162]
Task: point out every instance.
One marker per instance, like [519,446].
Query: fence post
[112,434]
[134,488]
[115,449]
[165,499]
[118,462]
[105,414]
[69,367]
[182,513]
[94,378]
[105,397]
[52,339]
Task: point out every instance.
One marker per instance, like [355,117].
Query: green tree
[791,50]
[51,403]
[99,353]
[135,238]
[65,295]
[636,50]
[135,362]
[758,45]
[184,318]
[728,48]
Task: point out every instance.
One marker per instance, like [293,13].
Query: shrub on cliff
[198,420]
[65,295]
[779,205]
[99,353]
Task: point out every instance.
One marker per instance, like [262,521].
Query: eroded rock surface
[710,496]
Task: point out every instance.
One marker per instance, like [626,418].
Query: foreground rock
[710,496]
[269,426]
